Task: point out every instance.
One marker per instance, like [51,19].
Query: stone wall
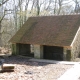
[75,51]
[15,49]
[38,51]
[67,53]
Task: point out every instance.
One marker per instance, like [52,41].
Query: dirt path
[32,70]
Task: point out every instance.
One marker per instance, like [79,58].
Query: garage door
[24,49]
[53,52]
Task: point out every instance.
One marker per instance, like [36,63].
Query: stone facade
[67,54]
[38,51]
[15,49]
[75,50]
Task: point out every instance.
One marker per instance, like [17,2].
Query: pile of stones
[4,50]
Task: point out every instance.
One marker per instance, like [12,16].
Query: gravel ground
[30,70]
[77,60]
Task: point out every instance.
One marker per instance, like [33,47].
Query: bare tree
[3,2]
[77,6]
[26,9]
[60,5]
[22,9]
[2,16]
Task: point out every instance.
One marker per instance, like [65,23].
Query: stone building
[52,37]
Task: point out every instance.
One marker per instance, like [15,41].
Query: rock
[4,50]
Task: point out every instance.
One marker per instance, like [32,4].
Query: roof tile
[48,30]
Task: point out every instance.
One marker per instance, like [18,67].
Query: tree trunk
[38,8]
[1,43]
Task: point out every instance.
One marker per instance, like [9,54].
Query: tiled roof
[48,30]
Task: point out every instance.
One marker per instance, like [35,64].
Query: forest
[14,13]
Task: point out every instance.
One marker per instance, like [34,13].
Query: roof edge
[41,44]
[56,15]
[75,36]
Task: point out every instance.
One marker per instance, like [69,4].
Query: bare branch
[5,15]
[3,2]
